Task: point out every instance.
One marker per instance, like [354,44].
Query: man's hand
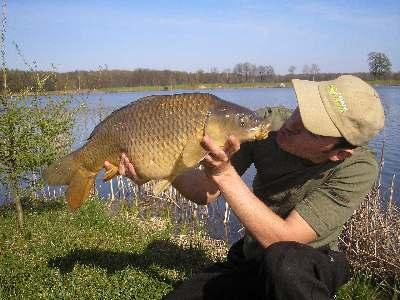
[217,162]
[125,168]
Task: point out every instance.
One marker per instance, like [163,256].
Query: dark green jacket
[325,195]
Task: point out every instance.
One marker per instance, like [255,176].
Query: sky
[192,35]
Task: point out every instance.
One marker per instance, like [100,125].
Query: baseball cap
[344,107]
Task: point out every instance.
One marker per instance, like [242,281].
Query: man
[311,175]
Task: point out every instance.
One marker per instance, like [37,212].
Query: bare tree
[238,69]
[261,71]
[227,73]
[249,70]
[199,76]
[314,70]
[214,70]
[291,69]
[270,72]
[306,69]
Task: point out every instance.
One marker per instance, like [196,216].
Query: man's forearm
[261,222]
[196,186]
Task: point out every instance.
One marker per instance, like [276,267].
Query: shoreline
[201,86]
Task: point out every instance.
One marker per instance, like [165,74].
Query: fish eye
[241,122]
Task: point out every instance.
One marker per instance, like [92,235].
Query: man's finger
[131,169]
[121,166]
[208,160]
[207,144]
[107,165]
[231,146]
[127,165]
[214,151]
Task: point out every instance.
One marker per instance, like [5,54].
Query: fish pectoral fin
[192,154]
[216,131]
[110,173]
[162,185]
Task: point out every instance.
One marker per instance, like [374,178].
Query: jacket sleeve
[329,206]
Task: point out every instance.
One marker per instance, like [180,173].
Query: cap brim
[312,110]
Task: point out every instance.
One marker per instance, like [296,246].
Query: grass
[143,88]
[96,254]
[200,86]
[360,287]
[384,82]
[101,252]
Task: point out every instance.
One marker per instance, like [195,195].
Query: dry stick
[112,190]
[134,190]
[379,259]
[168,199]
[390,204]
[121,186]
[3,39]
[381,163]
[226,220]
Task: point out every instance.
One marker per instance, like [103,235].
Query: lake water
[260,97]
[100,104]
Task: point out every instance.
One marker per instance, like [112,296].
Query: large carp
[161,136]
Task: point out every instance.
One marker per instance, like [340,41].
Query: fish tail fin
[69,171]
[79,188]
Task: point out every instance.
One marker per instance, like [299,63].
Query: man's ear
[340,154]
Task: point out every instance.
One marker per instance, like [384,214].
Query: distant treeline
[18,80]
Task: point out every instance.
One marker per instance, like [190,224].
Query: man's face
[294,138]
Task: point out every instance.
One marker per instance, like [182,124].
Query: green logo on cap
[337,97]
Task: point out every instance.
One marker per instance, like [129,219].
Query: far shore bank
[201,86]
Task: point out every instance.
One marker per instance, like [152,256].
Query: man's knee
[291,269]
[284,259]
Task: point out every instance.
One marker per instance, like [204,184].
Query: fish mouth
[261,131]
[261,135]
